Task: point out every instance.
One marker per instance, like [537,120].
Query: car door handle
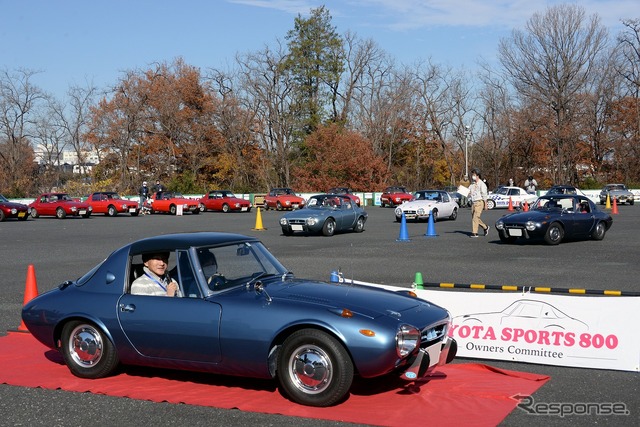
[128,307]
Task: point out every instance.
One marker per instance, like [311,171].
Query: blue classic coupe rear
[238,312]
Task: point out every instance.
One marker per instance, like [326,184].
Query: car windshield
[237,264]
[427,195]
[396,190]
[325,200]
[553,203]
[617,187]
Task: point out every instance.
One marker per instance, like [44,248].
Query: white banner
[564,330]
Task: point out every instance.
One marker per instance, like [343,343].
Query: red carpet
[477,394]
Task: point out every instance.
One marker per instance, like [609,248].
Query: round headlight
[530,225]
[14,211]
[398,212]
[499,225]
[421,211]
[312,221]
[283,221]
[407,339]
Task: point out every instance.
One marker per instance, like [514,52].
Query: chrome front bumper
[427,358]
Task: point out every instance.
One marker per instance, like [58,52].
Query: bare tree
[19,102]
[551,62]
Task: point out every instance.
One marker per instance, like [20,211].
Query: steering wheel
[217,282]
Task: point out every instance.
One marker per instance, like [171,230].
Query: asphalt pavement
[66,249]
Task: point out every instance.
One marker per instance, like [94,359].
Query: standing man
[143,193]
[531,185]
[158,187]
[478,196]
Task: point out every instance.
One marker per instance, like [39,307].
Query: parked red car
[111,204]
[59,205]
[394,196]
[168,202]
[346,191]
[13,210]
[224,201]
[283,198]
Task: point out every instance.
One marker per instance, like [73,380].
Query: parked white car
[437,202]
[500,197]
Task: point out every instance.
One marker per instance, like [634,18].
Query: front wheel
[34,213]
[599,232]
[434,214]
[329,227]
[554,234]
[60,213]
[454,214]
[359,227]
[173,209]
[314,368]
[225,208]
[491,204]
[111,211]
[87,351]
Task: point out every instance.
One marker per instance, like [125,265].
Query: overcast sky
[72,42]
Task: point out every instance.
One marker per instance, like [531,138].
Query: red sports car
[13,210]
[223,200]
[394,196]
[110,203]
[347,192]
[59,205]
[168,202]
[283,198]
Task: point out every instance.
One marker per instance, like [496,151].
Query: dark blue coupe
[238,312]
[555,218]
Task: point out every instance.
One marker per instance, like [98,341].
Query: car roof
[170,242]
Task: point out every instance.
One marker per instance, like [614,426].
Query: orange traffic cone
[259,226]
[30,292]
[614,211]
[510,204]
[525,206]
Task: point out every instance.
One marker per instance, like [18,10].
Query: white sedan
[437,202]
[500,197]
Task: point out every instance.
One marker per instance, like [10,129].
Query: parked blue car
[238,312]
[325,214]
[556,218]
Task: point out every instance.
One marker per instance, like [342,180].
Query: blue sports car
[555,218]
[237,311]
[326,214]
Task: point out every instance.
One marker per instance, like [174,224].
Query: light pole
[467,131]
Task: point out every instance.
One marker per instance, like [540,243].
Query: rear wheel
[599,231]
[314,368]
[491,204]
[173,209]
[454,214]
[87,351]
[554,234]
[60,213]
[2,216]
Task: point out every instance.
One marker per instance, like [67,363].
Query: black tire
[87,215]
[398,218]
[491,204]
[202,207]
[599,231]
[287,231]
[111,211]
[87,351]
[454,214]
[196,211]
[278,206]
[225,208]
[314,368]
[381,204]
[631,202]
[554,234]
[173,209]
[60,213]
[359,227]
[34,213]
[434,213]
[329,227]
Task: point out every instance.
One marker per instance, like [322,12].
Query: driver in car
[155,280]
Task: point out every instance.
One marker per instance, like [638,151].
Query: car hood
[533,215]
[309,212]
[415,204]
[12,205]
[618,192]
[365,300]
